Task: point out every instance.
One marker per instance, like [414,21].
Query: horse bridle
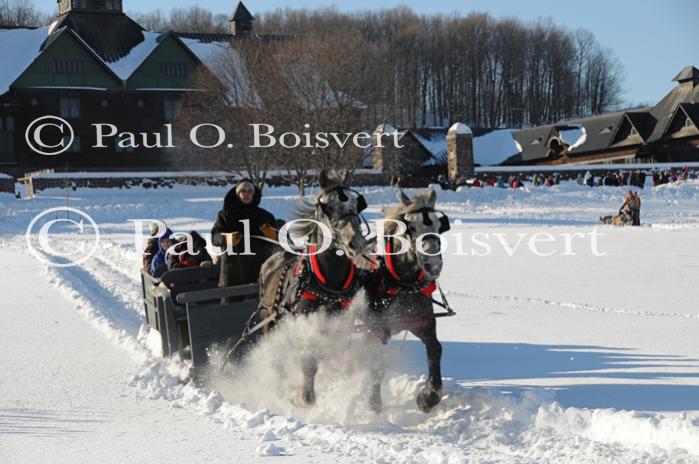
[444,225]
[342,195]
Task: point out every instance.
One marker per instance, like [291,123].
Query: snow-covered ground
[571,357]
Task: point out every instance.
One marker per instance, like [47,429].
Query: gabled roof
[598,134]
[642,121]
[138,55]
[242,14]
[664,111]
[129,63]
[24,46]
[534,141]
[685,110]
[692,112]
[111,36]
[434,141]
[689,73]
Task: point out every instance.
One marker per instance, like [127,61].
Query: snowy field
[587,355]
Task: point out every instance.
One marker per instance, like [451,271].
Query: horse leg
[431,394]
[309,368]
[372,346]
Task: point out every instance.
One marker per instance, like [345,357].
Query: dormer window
[537,140]
[688,123]
[607,129]
[633,131]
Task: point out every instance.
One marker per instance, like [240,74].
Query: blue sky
[651,38]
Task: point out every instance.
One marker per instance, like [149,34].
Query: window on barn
[688,123]
[169,104]
[173,69]
[75,146]
[68,66]
[70,107]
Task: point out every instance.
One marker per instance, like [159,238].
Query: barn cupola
[241,21]
[92,6]
[688,76]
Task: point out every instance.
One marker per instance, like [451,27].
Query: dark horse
[324,277]
[400,287]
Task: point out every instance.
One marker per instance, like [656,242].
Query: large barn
[666,132]
[95,64]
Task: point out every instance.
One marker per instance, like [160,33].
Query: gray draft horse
[401,285]
[317,280]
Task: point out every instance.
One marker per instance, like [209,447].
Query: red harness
[318,274]
[427,290]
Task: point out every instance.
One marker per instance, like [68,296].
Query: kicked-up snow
[561,354]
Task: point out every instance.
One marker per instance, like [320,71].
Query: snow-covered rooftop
[494,147]
[225,62]
[574,137]
[435,142]
[20,47]
[5,176]
[126,66]
[490,149]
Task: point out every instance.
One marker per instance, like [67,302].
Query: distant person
[632,207]
[636,211]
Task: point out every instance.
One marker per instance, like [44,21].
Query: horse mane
[421,200]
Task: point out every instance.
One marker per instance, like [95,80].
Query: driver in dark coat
[243,202]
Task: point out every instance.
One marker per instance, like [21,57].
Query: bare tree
[193,19]
[21,13]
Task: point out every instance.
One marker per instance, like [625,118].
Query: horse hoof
[306,398]
[375,403]
[428,399]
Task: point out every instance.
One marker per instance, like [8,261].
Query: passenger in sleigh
[243,203]
[188,252]
[158,265]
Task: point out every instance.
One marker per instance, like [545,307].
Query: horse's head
[338,207]
[421,220]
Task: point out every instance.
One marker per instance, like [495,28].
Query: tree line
[432,70]
[488,72]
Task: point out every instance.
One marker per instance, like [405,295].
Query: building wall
[168,67]
[129,110]
[54,66]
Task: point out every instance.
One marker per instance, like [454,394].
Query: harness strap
[391,268]
[315,267]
